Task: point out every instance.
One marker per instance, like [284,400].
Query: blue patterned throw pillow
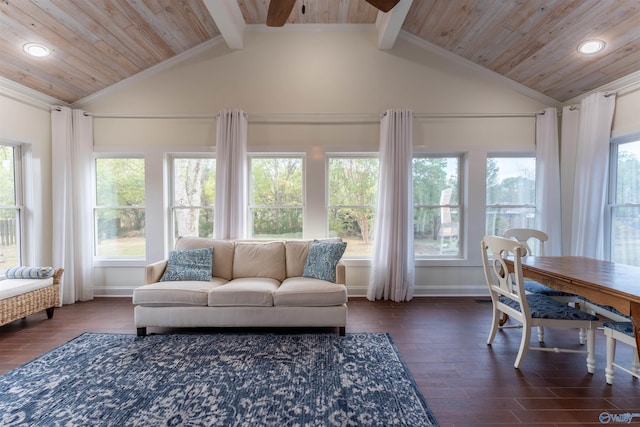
[322,260]
[29,272]
[190,264]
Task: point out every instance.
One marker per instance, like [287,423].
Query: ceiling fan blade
[383,5]
[279,11]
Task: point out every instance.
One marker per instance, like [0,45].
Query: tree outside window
[353,184]
[194,185]
[511,194]
[625,204]
[119,212]
[436,212]
[276,197]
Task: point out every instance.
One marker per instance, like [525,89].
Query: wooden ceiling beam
[390,23]
[229,20]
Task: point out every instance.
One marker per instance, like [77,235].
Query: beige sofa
[253,284]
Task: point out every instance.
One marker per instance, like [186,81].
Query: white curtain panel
[591,175]
[231,175]
[393,265]
[549,214]
[72,147]
[568,149]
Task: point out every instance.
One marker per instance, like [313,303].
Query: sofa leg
[142,332]
[342,331]
[50,312]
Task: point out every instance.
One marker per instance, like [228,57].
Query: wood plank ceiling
[97,43]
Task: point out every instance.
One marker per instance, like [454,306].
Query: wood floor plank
[442,341]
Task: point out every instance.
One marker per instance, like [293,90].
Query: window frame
[171,202]
[100,260]
[19,199]
[329,206]
[502,206]
[250,205]
[612,193]
[459,206]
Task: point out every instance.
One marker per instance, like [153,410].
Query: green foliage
[430,184]
[492,172]
[429,180]
[120,183]
[511,190]
[511,193]
[276,194]
[627,218]
[628,178]
[353,184]
[276,181]
[194,189]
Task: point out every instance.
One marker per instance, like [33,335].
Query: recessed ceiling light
[590,47]
[36,49]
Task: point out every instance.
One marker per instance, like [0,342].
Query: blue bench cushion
[623,327]
[538,288]
[544,307]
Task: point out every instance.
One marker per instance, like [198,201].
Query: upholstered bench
[20,297]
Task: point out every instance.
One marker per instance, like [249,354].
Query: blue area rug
[216,380]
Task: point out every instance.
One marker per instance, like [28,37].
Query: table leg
[635,319]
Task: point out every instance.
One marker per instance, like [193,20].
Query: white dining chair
[530,310]
[622,332]
[534,240]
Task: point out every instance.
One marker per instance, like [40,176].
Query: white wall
[309,90]
[27,122]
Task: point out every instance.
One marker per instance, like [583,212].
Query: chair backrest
[525,236]
[500,281]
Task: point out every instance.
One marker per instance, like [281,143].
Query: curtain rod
[607,94]
[311,117]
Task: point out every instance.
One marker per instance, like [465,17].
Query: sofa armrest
[341,273]
[154,272]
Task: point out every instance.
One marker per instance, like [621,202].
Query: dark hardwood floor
[442,340]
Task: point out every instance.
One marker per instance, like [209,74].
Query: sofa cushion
[29,272]
[189,264]
[296,256]
[309,292]
[188,292]
[258,259]
[222,265]
[245,292]
[322,260]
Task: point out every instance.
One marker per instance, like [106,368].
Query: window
[10,206]
[511,194]
[352,188]
[436,206]
[276,198]
[119,216]
[624,198]
[193,195]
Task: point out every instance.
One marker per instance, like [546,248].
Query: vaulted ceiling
[98,43]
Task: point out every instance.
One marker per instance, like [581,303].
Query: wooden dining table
[602,282]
